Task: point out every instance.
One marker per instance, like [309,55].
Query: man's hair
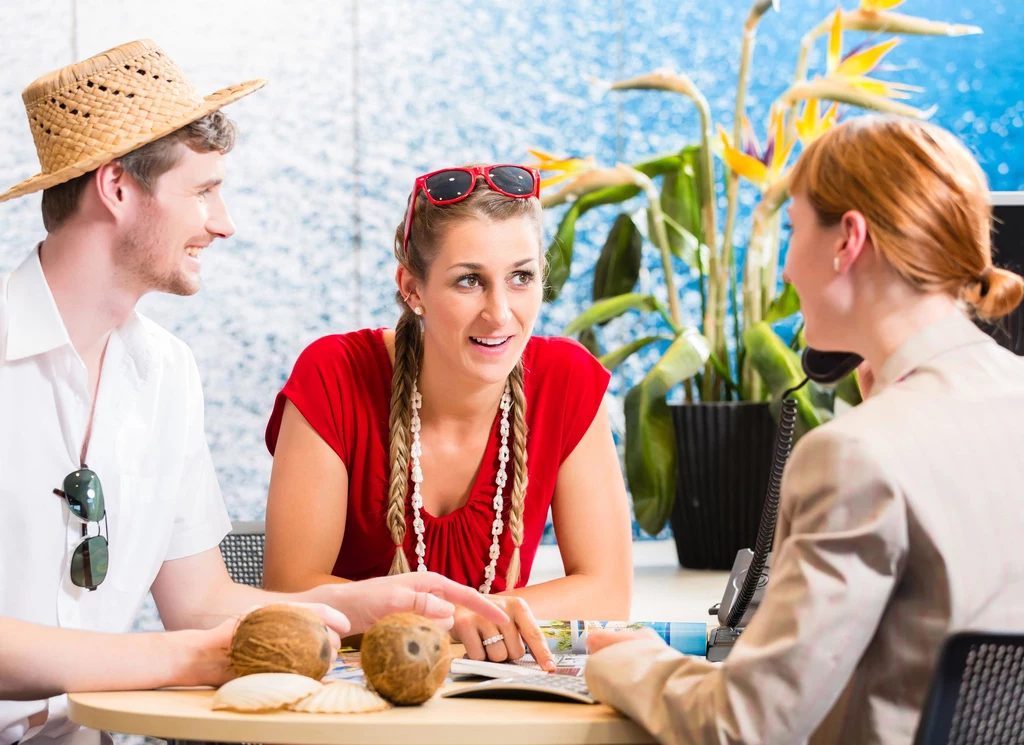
[146,165]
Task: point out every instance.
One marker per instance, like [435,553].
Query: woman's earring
[418,311]
[835,263]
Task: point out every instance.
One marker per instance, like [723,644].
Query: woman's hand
[504,641]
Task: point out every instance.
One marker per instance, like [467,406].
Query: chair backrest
[977,694]
[242,550]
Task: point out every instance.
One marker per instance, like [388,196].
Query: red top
[341,384]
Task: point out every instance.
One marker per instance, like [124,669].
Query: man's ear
[854,239]
[116,190]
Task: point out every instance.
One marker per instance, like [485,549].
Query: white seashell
[341,697]
[264,691]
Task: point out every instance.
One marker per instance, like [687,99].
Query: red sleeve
[586,381]
[316,389]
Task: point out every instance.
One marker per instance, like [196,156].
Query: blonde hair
[925,200]
[429,224]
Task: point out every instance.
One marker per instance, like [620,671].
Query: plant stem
[758,254]
[661,241]
[806,44]
[715,309]
[757,11]
[769,277]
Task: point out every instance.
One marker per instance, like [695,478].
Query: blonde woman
[443,444]
[900,520]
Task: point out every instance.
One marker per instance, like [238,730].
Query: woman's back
[946,431]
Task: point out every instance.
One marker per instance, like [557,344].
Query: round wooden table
[185,714]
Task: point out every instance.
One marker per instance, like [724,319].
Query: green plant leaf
[848,389]
[779,367]
[588,338]
[559,255]
[617,357]
[618,266]
[613,307]
[694,253]
[650,437]
[560,251]
[681,207]
[784,305]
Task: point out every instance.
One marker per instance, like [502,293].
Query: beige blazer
[901,520]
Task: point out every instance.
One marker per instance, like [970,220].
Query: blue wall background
[364,96]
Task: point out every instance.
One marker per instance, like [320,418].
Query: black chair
[242,550]
[977,694]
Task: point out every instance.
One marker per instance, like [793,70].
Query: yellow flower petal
[779,160]
[875,5]
[830,117]
[866,60]
[541,155]
[883,87]
[835,41]
[781,151]
[808,119]
[552,180]
[744,165]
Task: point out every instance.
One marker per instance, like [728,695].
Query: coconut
[281,639]
[406,658]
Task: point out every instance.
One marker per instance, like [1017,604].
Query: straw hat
[94,111]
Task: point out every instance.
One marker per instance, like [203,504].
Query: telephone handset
[749,576]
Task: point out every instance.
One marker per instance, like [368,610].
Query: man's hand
[602,639]
[207,657]
[426,593]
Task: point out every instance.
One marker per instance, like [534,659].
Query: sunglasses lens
[89,562]
[448,185]
[513,180]
[84,494]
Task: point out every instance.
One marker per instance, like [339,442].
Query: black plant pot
[724,456]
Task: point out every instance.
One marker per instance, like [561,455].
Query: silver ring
[494,640]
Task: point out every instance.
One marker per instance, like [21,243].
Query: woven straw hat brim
[210,104]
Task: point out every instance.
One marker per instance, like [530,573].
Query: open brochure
[571,636]
[567,640]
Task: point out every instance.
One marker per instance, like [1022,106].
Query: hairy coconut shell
[406,658]
[281,639]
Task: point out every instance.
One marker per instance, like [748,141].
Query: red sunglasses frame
[473,171]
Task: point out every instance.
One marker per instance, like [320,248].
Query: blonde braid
[408,349]
[522,478]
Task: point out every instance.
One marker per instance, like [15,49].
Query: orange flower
[809,127]
[746,158]
[565,167]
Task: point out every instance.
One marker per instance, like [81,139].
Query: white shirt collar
[35,325]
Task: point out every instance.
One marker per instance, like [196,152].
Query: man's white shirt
[148,448]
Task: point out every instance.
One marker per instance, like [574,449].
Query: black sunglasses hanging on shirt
[84,495]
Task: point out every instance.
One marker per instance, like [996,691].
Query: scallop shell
[264,691]
[341,697]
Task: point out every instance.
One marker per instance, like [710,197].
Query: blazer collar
[951,332]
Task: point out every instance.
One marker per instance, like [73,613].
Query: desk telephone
[749,576]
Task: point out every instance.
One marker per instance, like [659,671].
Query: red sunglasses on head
[451,185]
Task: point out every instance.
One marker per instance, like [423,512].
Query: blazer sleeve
[839,554]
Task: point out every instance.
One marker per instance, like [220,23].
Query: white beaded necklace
[500,480]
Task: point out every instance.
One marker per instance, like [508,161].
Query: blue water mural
[365,96]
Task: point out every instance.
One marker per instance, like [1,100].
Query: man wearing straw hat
[107,487]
